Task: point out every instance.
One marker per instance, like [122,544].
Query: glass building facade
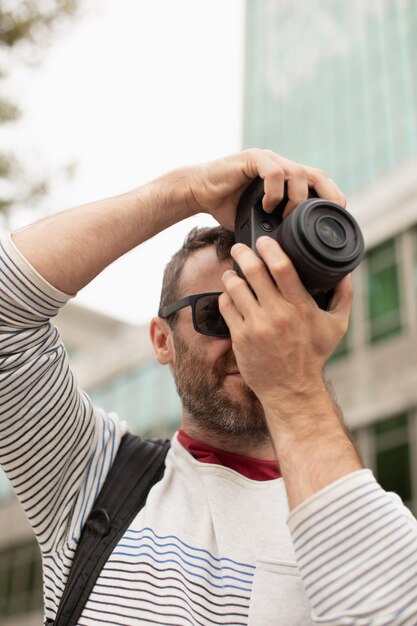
[144,396]
[333,84]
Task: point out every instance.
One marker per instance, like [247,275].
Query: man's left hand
[281,338]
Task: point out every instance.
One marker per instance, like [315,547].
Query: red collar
[256,469]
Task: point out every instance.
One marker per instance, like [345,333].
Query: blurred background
[99,96]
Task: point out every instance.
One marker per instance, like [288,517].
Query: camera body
[323,241]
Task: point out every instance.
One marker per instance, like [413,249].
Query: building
[114,363]
[334,84]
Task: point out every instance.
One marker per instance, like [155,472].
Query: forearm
[70,248]
[355,545]
[311,443]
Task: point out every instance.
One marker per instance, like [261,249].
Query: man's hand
[70,248]
[216,187]
[281,338]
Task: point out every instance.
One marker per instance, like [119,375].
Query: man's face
[212,391]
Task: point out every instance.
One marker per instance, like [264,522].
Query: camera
[323,241]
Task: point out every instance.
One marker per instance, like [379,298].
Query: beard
[200,387]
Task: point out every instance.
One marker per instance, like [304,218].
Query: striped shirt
[211,546]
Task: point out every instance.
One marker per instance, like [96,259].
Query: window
[20,579]
[145,397]
[392,456]
[383,291]
[387,450]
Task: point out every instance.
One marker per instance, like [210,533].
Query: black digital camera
[323,241]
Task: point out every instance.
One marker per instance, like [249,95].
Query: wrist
[173,194]
[311,461]
[311,442]
[290,407]
[305,419]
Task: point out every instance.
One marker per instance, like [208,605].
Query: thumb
[342,298]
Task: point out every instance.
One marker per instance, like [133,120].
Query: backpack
[139,464]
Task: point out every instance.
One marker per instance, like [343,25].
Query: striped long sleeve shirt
[211,546]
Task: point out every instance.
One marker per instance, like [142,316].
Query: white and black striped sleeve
[356,548]
[55,446]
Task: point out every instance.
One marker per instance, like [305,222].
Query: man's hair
[199,237]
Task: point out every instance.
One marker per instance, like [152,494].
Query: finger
[296,178]
[232,316]
[255,272]
[282,271]
[325,186]
[297,186]
[341,302]
[273,175]
[269,166]
[297,181]
[239,291]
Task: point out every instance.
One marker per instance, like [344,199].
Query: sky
[127,91]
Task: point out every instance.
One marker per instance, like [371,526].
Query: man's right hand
[216,187]
[70,248]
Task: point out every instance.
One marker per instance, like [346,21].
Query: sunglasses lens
[208,317]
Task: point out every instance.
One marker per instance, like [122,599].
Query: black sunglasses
[207,318]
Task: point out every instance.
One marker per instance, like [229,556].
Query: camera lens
[330,231]
[323,241]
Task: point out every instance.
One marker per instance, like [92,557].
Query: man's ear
[162,341]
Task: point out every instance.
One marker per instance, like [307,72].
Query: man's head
[213,394]
[220,239]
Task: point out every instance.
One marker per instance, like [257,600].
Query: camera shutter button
[266,225]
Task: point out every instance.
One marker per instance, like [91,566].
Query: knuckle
[318,172]
[262,333]
[297,171]
[233,286]
[276,171]
[253,152]
[281,267]
[280,323]
[224,301]
[254,268]
[269,152]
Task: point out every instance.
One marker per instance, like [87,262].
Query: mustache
[225,364]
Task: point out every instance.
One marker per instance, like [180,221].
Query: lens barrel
[323,241]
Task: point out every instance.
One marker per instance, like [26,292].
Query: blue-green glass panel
[393,456]
[393,471]
[333,84]
[383,289]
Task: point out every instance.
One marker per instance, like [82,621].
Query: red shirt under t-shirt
[255,469]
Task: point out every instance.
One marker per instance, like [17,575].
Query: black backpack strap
[138,465]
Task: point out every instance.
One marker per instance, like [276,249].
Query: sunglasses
[207,318]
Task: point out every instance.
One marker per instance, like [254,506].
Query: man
[260,434]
